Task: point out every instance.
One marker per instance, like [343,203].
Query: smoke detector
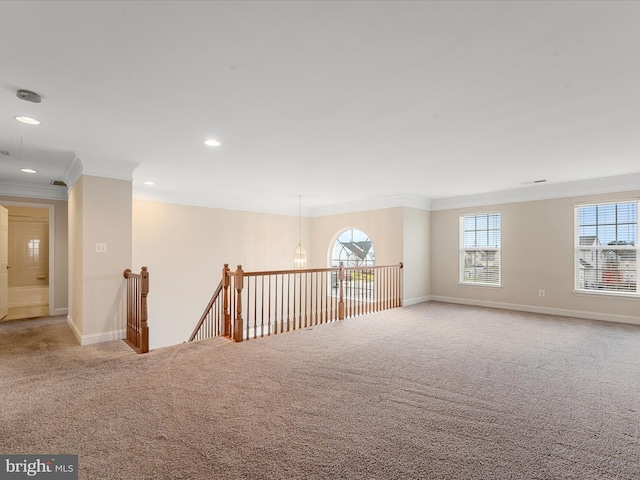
[28,96]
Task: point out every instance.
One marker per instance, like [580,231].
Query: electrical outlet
[101,248]
[541,293]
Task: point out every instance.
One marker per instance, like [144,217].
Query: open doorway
[29,261]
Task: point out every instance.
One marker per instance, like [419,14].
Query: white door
[4,260]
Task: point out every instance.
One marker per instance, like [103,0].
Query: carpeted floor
[433,391]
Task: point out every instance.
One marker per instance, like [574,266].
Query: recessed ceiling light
[28,120]
[28,170]
[212,143]
[149,183]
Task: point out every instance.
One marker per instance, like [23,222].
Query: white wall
[537,254]
[101,212]
[185,248]
[75,258]
[416,256]
[384,227]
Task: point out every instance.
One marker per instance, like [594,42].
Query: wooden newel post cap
[225,276]
[239,277]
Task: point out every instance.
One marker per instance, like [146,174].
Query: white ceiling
[339,102]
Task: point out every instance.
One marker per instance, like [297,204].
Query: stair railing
[250,304]
[137,327]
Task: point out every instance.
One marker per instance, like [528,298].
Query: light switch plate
[101,248]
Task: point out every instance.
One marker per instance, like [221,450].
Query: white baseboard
[103,337]
[414,301]
[74,329]
[60,311]
[607,317]
[96,337]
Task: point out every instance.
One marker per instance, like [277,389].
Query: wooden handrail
[274,301]
[137,314]
[208,308]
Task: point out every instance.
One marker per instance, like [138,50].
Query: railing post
[341,303]
[238,325]
[144,327]
[400,285]
[226,330]
[130,337]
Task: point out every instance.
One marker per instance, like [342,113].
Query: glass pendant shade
[299,257]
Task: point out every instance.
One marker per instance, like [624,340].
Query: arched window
[354,248]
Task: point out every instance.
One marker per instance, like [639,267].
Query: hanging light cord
[299,219]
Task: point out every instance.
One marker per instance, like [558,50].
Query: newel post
[238,325]
[341,302]
[400,283]
[144,327]
[226,329]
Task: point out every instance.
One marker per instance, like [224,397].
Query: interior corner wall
[100,212]
[60,254]
[537,253]
[398,234]
[74,317]
[417,256]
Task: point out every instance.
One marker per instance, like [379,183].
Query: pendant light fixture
[300,256]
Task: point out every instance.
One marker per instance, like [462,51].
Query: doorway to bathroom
[28,261]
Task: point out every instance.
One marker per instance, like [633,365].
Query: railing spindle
[305,297]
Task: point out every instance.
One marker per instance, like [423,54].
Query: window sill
[598,293]
[478,284]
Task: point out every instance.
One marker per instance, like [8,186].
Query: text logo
[49,467]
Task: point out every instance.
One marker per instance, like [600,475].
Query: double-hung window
[606,248]
[480,249]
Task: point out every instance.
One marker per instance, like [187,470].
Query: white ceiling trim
[30,190]
[97,166]
[378,203]
[620,183]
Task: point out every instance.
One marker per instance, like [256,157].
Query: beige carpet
[433,391]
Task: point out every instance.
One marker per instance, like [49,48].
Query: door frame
[52,238]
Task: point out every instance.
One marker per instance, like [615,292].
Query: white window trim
[576,256]
[462,250]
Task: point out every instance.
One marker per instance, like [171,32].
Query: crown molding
[73,173]
[96,166]
[190,200]
[375,203]
[545,191]
[620,183]
[30,190]
[307,211]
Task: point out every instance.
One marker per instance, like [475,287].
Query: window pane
[469,239]
[494,238]
[602,268]
[480,266]
[589,231]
